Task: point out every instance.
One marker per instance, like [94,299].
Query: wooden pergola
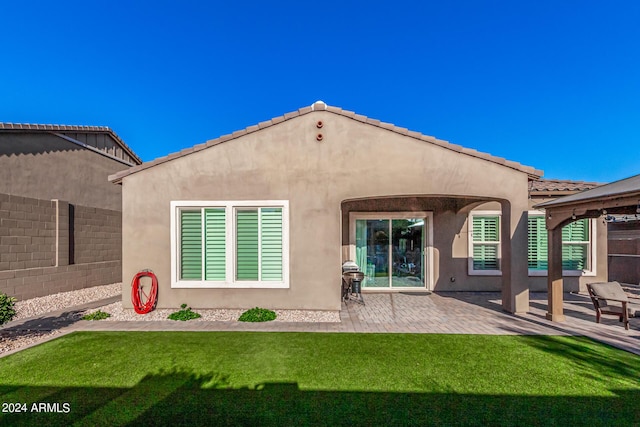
[620,197]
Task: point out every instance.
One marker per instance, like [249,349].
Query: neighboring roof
[321,106]
[72,128]
[558,187]
[623,188]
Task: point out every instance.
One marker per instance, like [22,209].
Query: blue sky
[551,84]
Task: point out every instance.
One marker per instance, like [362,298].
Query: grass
[222,378]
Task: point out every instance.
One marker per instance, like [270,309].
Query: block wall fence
[51,246]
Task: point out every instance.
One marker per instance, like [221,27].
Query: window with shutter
[215,244]
[485,243]
[576,245]
[537,243]
[271,243]
[247,245]
[229,244]
[191,245]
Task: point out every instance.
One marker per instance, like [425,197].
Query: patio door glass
[372,251]
[406,246]
[391,252]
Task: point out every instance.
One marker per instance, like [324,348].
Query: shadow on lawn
[180,398]
[581,351]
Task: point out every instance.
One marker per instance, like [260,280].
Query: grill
[352,279]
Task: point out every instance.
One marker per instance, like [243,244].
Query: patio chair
[609,298]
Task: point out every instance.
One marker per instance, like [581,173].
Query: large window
[229,244]
[576,246]
[484,243]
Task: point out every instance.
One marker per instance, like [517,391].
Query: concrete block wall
[97,235]
[50,246]
[37,282]
[27,233]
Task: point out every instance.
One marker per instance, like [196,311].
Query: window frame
[483,213]
[231,208]
[591,250]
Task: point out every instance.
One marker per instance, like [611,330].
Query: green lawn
[221,378]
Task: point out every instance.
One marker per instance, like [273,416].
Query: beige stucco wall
[286,162]
[44,166]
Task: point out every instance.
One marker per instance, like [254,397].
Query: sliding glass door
[390,251]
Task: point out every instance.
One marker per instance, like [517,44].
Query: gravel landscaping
[118,313]
[14,338]
[56,302]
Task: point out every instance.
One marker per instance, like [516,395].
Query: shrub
[257,315]
[96,315]
[184,314]
[7,310]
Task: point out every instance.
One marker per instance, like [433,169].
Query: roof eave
[559,203]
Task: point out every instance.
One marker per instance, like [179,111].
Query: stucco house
[267,215]
[60,218]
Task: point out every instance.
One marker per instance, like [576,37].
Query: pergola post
[554,276]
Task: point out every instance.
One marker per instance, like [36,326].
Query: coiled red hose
[137,293]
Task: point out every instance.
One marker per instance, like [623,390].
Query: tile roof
[628,187]
[71,128]
[556,186]
[321,106]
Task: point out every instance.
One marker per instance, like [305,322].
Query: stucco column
[554,276]
[515,270]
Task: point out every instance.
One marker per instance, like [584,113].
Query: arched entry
[378,234]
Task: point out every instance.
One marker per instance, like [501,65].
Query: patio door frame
[427,242]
